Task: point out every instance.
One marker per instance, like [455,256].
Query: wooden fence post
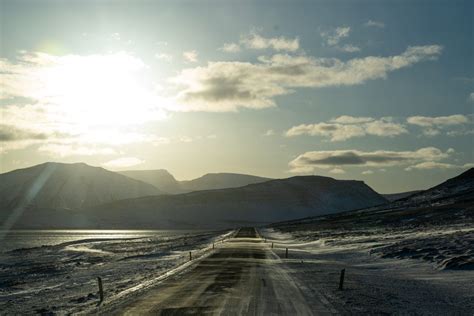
[101,290]
[272,245]
[190,256]
[286,253]
[341,279]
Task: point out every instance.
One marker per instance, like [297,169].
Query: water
[15,239]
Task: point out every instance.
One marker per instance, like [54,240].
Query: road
[242,277]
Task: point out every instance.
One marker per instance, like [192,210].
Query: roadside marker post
[341,279]
[101,290]
[286,253]
[190,256]
[272,245]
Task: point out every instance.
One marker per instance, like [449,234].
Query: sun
[97,91]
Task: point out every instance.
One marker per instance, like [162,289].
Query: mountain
[66,186]
[160,178]
[457,188]
[214,181]
[397,196]
[253,204]
[164,181]
[451,202]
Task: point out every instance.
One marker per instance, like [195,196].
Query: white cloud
[165,57]
[372,23]
[430,121]
[230,48]
[427,165]
[269,132]
[70,104]
[349,48]
[471,97]
[312,160]
[256,41]
[123,162]
[191,56]
[66,150]
[333,37]
[226,86]
[346,127]
[337,171]
[347,119]
[432,125]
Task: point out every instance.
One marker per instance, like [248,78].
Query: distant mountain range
[253,204]
[54,195]
[164,181]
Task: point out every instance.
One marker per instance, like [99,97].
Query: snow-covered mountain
[253,204]
[160,178]
[66,186]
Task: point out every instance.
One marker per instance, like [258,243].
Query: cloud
[226,86]
[191,56]
[430,121]
[346,127]
[269,132]
[123,162]
[311,160]
[333,37]
[73,103]
[165,57]
[372,23]
[471,97]
[349,48]
[428,165]
[230,48]
[347,119]
[66,150]
[337,171]
[10,133]
[432,125]
[256,41]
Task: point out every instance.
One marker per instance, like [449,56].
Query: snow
[63,277]
[388,270]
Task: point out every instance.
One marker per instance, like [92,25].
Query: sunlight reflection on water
[15,239]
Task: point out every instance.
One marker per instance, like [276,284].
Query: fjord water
[16,239]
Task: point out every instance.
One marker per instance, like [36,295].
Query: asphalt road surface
[242,277]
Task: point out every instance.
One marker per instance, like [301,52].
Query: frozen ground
[391,270]
[62,279]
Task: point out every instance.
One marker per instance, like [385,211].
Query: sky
[378,91]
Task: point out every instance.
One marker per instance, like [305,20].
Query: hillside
[397,196]
[253,204]
[161,179]
[215,181]
[66,186]
[449,202]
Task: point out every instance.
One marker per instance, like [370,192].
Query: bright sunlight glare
[97,90]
